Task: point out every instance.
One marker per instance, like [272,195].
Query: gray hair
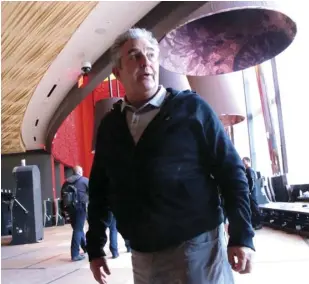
[133,33]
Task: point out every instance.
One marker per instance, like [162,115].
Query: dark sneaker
[84,248]
[258,227]
[115,255]
[79,257]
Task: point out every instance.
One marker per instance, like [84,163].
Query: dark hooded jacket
[164,189]
[81,183]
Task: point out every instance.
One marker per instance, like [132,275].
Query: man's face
[139,70]
[245,163]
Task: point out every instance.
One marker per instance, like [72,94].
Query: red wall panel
[62,178]
[73,140]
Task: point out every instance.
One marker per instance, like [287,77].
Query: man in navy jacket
[254,205]
[78,212]
[160,156]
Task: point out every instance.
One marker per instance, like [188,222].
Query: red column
[62,178]
[53,176]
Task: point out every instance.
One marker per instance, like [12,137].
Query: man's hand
[240,259]
[100,270]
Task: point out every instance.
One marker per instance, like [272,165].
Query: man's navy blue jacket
[164,190]
[251,177]
[81,184]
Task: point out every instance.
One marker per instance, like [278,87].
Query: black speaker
[261,194]
[269,190]
[279,184]
[27,225]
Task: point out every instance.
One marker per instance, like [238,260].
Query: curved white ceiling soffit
[160,20]
[93,37]
[32,35]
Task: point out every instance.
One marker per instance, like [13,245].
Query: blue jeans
[113,237]
[78,218]
[127,244]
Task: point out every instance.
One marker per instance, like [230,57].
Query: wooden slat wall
[33,34]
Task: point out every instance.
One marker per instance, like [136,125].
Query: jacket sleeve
[229,172]
[86,182]
[98,205]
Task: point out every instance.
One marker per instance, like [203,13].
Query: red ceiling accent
[73,140]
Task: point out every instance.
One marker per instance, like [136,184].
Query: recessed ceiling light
[100,31]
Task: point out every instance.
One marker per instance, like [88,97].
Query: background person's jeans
[78,218]
[113,237]
[127,244]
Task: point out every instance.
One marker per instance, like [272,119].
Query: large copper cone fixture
[224,93]
[226,36]
[173,80]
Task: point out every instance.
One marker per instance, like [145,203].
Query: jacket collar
[156,101]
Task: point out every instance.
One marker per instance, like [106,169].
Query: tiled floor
[280,258]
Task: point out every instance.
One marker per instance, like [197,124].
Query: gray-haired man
[156,155]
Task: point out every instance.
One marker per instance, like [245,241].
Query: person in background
[251,176]
[160,156]
[74,194]
[113,236]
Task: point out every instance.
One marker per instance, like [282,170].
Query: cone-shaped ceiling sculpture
[226,36]
[102,107]
[173,80]
[224,93]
